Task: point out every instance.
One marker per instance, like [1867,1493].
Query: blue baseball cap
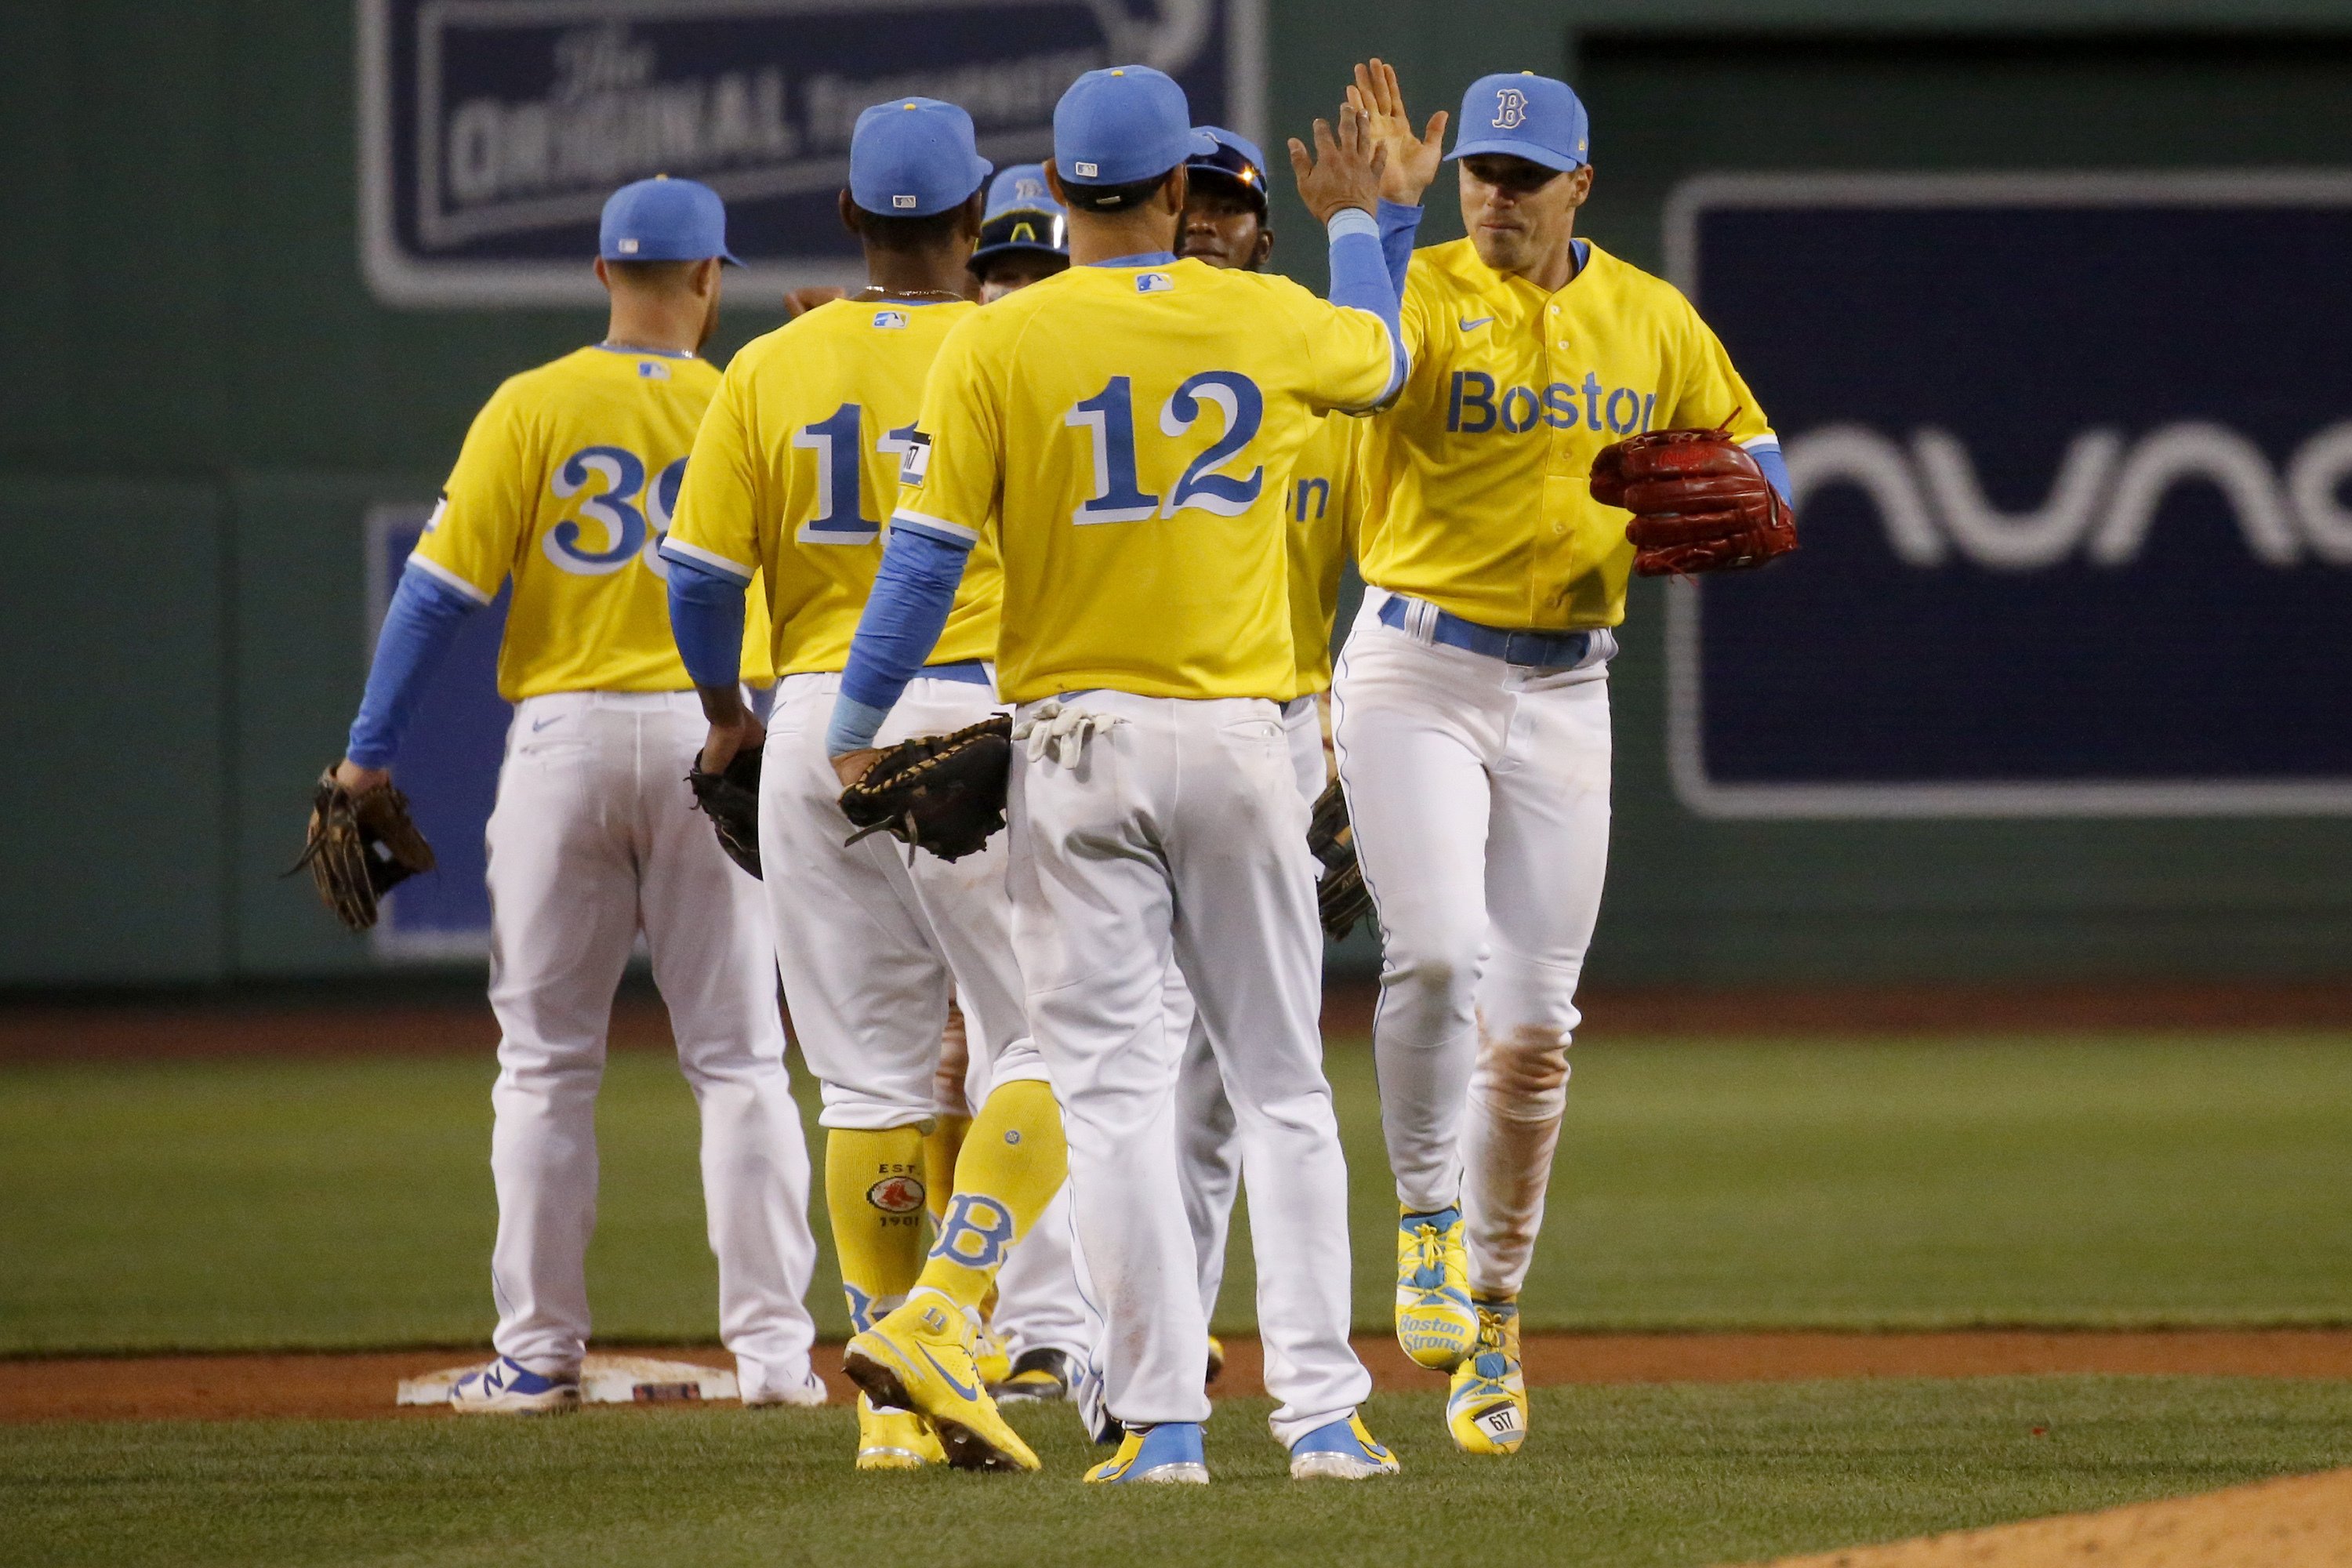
[1121,125]
[662,219]
[1021,216]
[912,157]
[1524,116]
[1226,155]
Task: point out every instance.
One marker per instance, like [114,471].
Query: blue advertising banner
[448,764]
[2071,455]
[492,131]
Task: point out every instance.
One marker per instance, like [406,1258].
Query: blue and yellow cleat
[1487,1408]
[919,1358]
[507,1387]
[1342,1451]
[1435,1323]
[1169,1452]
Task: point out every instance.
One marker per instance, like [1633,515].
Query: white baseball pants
[1178,835]
[1208,1151]
[1480,792]
[872,945]
[593,840]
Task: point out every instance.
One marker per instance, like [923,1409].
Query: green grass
[254,1204]
[1658,1476]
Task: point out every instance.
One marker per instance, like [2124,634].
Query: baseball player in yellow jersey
[1471,696]
[794,472]
[1119,434]
[1224,226]
[564,485]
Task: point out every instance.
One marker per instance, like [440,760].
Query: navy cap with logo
[1523,116]
[1222,154]
[1119,126]
[662,219]
[912,157]
[1021,216]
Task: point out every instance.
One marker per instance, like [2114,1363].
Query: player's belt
[971,671]
[1424,622]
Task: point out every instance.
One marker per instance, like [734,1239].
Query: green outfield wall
[199,399]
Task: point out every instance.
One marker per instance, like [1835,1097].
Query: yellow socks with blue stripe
[1012,1163]
[874,1191]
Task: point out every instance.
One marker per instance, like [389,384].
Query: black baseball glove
[1340,897]
[360,847]
[730,799]
[940,793]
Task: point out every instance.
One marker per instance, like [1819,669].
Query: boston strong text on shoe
[507,1387]
[1342,1451]
[1169,1452]
[1434,1320]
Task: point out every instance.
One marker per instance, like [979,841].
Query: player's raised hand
[1346,168]
[1413,160]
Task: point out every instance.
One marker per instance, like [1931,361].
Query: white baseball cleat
[805,1388]
[507,1387]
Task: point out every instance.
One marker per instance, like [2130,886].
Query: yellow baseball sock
[874,1191]
[941,1147]
[1013,1164]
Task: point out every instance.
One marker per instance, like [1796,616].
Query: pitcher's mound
[2303,1521]
[604,1380]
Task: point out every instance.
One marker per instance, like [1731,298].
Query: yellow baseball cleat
[991,1353]
[1216,1361]
[1434,1320]
[920,1358]
[1487,1408]
[895,1439]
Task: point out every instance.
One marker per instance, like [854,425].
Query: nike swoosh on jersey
[1469,326]
[959,1388]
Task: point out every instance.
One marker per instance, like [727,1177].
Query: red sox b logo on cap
[1510,108]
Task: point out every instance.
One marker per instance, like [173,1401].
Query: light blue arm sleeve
[1767,456]
[1400,225]
[418,627]
[1359,280]
[913,591]
[705,618]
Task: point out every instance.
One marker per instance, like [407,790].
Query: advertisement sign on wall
[2074,466]
[492,131]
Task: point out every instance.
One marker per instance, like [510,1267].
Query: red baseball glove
[1699,502]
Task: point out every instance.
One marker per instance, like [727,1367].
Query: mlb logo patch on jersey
[890,319]
[652,369]
[1154,283]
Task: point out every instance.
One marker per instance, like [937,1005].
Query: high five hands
[1411,160]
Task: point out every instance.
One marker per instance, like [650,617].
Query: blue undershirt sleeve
[1776,468]
[419,625]
[913,591]
[1400,225]
[1359,280]
[706,618]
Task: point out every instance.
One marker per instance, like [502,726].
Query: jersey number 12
[1108,418]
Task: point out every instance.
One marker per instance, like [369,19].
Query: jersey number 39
[627,534]
[1108,418]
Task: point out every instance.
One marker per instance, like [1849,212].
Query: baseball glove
[730,799]
[360,847]
[1699,502]
[940,793]
[1340,897]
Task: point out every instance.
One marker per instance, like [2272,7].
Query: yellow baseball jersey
[1478,481]
[1324,506]
[1125,436]
[566,483]
[796,468]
